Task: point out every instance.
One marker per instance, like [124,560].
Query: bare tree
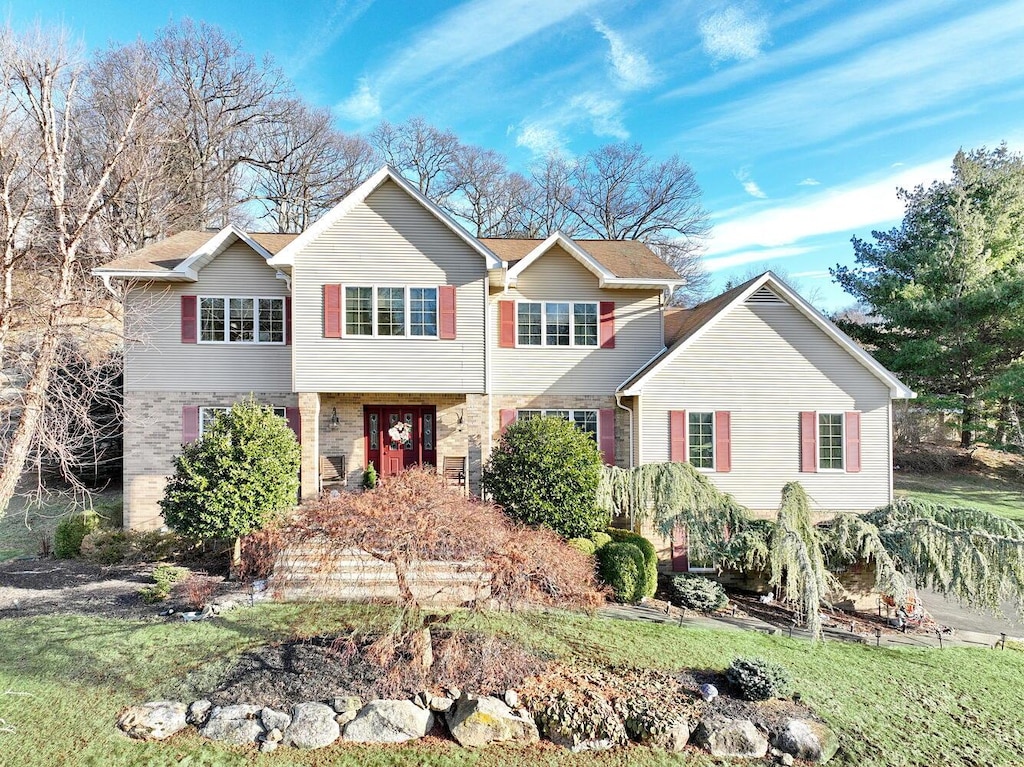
[689,264]
[48,81]
[217,96]
[486,195]
[552,198]
[421,152]
[303,166]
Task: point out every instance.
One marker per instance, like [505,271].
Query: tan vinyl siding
[557,276]
[389,240]
[765,364]
[157,360]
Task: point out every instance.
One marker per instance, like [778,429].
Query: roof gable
[286,256]
[701,318]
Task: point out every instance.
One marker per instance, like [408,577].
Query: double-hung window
[241,320]
[390,311]
[700,438]
[584,420]
[208,414]
[830,441]
[553,323]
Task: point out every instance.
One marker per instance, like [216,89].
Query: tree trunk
[967,424]
[234,571]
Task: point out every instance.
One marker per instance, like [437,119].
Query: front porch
[433,427]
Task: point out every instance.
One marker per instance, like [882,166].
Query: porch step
[313,572]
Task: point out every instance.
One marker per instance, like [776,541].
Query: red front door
[400,436]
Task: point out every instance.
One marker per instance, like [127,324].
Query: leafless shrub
[197,589]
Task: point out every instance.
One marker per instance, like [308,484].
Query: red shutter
[507,322]
[607,309]
[332,311]
[288,319]
[291,414]
[677,436]
[507,417]
[446,312]
[723,441]
[189,424]
[809,442]
[853,441]
[606,434]
[188,319]
[680,549]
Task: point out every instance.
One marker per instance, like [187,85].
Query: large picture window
[701,440]
[550,323]
[390,311]
[241,320]
[207,414]
[585,420]
[830,441]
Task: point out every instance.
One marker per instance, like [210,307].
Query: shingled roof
[163,256]
[626,259]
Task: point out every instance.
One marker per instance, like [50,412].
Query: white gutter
[618,401]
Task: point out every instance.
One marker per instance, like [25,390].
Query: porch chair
[333,471]
[454,470]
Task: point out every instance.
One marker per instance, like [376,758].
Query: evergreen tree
[946,288]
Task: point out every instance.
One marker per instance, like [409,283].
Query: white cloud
[828,212]
[539,139]
[326,33]
[605,114]
[809,182]
[813,274]
[749,185]
[630,69]
[754,256]
[362,105]
[732,33]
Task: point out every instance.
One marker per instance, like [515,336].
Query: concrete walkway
[650,614]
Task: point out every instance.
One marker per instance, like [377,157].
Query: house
[386,333]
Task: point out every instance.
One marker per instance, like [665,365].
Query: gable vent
[764,295]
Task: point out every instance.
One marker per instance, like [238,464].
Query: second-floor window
[241,320]
[552,323]
[390,311]
[701,440]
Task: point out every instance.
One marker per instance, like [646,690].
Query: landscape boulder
[239,725]
[658,728]
[198,712]
[389,721]
[156,720]
[731,737]
[580,720]
[313,726]
[812,741]
[274,720]
[478,721]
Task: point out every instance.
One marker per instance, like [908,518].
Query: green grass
[993,494]
[24,526]
[890,707]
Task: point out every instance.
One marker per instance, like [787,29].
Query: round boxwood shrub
[67,538]
[621,566]
[650,553]
[757,679]
[600,539]
[544,472]
[583,545]
[698,593]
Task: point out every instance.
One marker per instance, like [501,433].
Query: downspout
[618,402]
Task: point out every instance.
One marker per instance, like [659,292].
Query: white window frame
[281,411]
[255,320]
[408,311]
[714,437]
[572,326]
[572,412]
[817,442]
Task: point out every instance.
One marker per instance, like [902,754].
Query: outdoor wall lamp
[460,419]
[335,422]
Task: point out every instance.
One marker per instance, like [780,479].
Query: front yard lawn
[65,678]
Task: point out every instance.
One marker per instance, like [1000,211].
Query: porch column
[309,413]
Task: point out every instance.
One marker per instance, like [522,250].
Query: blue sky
[800,118]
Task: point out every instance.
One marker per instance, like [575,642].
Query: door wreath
[401,432]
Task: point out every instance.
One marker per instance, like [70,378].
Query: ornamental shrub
[757,679]
[600,539]
[650,553]
[583,545]
[67,538]
[544,472]
[621,566]
[165,576]
[697,593]
[237,477]
[369,477]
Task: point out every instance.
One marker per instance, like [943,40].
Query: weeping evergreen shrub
[621,566]
[649,552]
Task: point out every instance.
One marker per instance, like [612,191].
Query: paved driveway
[961,618]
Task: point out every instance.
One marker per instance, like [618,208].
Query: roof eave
[143,274]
